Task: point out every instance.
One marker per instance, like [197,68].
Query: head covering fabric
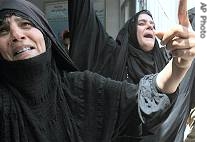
[41,102]
[118,59]
[37,17]
[123,59]
[29,88]
[140,62]
[132,28]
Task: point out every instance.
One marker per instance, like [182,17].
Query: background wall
[114,13]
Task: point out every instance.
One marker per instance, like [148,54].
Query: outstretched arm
[88,35]
[180,41]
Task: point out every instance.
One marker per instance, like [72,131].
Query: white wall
[165,12]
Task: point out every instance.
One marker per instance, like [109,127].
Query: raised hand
[183,14]
[180,40]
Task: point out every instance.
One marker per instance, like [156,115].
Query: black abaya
[122,59]
[43,100]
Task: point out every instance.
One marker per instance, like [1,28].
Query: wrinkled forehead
[5,14]
[10,18]
[145,17]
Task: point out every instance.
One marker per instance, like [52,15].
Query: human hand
[180,40]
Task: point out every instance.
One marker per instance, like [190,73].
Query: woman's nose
[16,34]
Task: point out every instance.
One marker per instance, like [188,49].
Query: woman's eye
[141,24]
[3,31]
[26,25]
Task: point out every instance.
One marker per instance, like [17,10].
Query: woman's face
[145,32]
[19,39]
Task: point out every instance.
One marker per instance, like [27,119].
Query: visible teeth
[22,50]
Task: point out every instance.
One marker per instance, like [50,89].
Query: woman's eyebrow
[18,19]
[144,20]
[5,21]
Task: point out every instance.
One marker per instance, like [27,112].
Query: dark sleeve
[105,104]
[88,36]
[152,104]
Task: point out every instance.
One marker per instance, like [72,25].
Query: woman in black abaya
[123,59]
[126,59]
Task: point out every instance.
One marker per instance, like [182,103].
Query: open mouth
[148,36]
[23,50]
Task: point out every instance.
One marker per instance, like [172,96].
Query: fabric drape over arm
[106,104]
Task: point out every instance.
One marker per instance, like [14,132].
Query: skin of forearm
[170,77]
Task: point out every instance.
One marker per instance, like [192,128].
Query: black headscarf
[140,62]
[30,88]
[39,104]
[24,8]
[93,49]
